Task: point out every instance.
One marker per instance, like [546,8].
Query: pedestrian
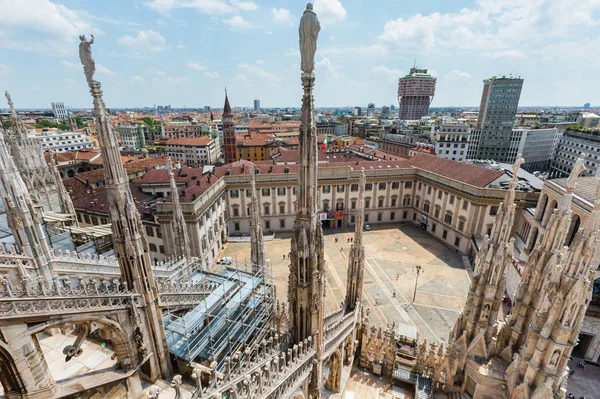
[584,366]
[394,294]
[283,256]
[397,276]
[351,239]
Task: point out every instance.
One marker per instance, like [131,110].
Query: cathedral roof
[586,187]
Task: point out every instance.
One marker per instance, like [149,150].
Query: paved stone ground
[584,383]
[392,252]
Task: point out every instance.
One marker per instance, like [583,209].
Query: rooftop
[199,141]
[586,187]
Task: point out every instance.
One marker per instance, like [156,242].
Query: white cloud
[211,75]
[516,54]
[292,52]
[260,62]
[238,23]
[245,5]
[368,50]
[180,47]
[492,28]
[392,74]
[69,81]
[242,78]
[56,27]
[174,79]
[458,75]
[138,79]
[259,72]
[105,71]
[156,72]
[329,11]
[145,41]
[196,66]
[4,70]
[282,16]
[211,7]
[326,64]
[70,64]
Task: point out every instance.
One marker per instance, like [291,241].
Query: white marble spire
[257,249]
[180,233]
[356,257]
[129,239]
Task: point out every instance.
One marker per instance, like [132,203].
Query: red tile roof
[200,141]
[462,172]
[98,201]
[131,167]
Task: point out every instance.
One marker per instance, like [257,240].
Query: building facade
[569,146]
[451,140]
[59,141]
[497,110]
[257,105]
[59,111]
[537,147]
[133,137]
[415,93]
[194,152]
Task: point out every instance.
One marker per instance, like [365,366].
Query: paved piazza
[392,253]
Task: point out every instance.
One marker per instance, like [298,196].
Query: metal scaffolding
[236,315]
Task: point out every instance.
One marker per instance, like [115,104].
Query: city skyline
[184,53]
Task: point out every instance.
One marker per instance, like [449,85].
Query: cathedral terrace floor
[392,253]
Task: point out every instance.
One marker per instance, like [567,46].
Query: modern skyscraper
[59,110]
[499,102]
[415,92]
[229,143]
[257,105]
[370,110]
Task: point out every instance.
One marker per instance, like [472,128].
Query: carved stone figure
[309,31]
[176,385]
[85,55]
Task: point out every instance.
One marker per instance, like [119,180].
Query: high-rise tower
[492,138]
[130,245]
[306,279]
[415,93]
[229,143]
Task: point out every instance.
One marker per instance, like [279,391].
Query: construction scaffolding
[236,315]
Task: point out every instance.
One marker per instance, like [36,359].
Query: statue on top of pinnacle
[85,55]
[309,31]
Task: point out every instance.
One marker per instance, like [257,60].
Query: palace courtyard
[392,253]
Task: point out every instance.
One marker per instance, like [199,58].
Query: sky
[185,52]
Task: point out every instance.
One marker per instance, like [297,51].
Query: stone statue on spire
[575,172]
[85,55]
[309,31]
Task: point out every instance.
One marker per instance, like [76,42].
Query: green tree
[47,124]
[79,122]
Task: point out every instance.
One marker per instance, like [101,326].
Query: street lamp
[418,268]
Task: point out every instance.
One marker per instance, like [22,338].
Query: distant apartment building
[326,128]
[60,141]
[59,111]
[180,130]
[397,144]
[371,110]
[274,127]
[133,137]
[356,111]
[569,146]
[451,140]
[341,129]
[257,105]
[536,146]
[385,112]
[415,92]
[194,152]
[494,134]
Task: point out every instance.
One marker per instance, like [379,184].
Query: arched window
[543,203]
